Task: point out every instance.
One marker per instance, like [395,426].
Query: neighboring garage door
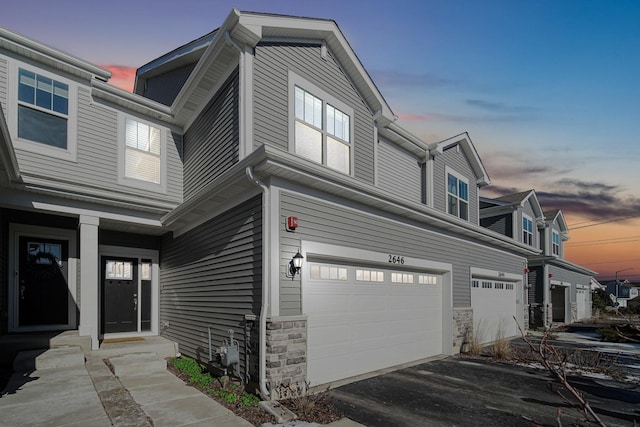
[582,303]
[494,308]
[363,319]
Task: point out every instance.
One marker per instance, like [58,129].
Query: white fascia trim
[253,27]
[100,214]
[464,141]
[131,101]
[15,42]
[65,189]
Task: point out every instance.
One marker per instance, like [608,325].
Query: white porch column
[89,274]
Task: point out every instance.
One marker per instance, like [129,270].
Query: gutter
[262,352]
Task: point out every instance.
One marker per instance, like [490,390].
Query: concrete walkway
[57,387]
[63,390]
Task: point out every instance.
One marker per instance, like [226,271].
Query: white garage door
[582,303]
[494,308]
[362,319]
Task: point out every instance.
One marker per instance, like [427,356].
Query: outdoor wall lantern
[295,264]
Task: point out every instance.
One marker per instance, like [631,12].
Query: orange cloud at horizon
[122,76]
[606,248]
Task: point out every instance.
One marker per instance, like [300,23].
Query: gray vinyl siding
[399,172]
[569,276]
[211,143]
[331,223]
[165,87]
[212,276]
[3,86]
[270,98]
[458,162]
[97,155]
[502,224]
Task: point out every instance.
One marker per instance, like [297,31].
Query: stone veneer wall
[286,353]
[525,326]
[549,319]
[462,328]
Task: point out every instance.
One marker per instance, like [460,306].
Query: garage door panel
[494,308]
[358,327]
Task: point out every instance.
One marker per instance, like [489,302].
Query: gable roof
[222,48]
[519,199]
[556,215]
[464,141]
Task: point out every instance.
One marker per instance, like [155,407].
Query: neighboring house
[621,292]
[558,291]
[178,210]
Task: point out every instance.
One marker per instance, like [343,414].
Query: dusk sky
[549,90]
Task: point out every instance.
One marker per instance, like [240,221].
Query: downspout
[262,361]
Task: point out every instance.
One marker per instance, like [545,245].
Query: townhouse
[254,192]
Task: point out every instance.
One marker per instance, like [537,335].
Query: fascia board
[84,193]
[131,101]
[252,27]
[7,151]
[535,204]
[42,53]
[287,164]
[470,150]
[404,139]
[207,58]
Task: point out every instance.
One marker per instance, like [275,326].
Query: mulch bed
[316,408]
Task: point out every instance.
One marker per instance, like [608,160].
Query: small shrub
[248,400]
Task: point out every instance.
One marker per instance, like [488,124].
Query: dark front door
[43,294]
[119,295]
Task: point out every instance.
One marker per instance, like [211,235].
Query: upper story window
[43,118]
[322,126]
[142,155]
[457,196]
[327,144]
[555,243]
[527,230]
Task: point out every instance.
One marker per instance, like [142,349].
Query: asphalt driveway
[470,392]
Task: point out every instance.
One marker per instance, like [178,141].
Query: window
[487,285]
[475,283]
[322,126]
[527,230]
[363,275]
[401,278]
[555,244]
[43,109]
[457,196]
[328,272]
[427,279]
[142,155]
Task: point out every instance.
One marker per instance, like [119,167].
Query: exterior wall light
[295,264]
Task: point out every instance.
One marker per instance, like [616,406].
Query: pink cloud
[414,117]
[122,76]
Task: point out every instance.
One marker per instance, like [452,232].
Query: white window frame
[555,247]
[327,100]
[459,177]
[529,234]
[160,187]
[69,153]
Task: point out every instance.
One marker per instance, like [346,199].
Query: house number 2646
[393,259]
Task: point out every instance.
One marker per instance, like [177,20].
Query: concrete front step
[153,344]
[138,364]
[60,357]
